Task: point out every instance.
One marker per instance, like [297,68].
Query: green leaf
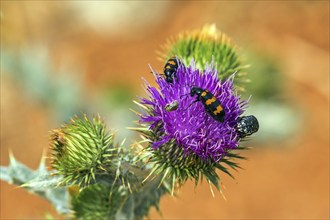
[4,174]
[59,198]
[43,182]
[39,182]
[17,173]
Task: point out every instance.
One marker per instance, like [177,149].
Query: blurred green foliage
[32,70]
[278,120]
[119,95]
[265,77]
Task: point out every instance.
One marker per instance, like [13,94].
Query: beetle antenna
[193,103]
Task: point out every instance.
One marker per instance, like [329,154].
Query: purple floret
[190,126]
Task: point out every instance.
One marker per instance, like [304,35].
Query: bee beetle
[172,106]
[170,69]
[247,125]
[210,102]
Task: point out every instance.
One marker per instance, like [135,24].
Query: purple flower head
[176,118]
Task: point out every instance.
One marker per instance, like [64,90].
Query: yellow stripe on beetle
[210,101]
[218,110]
[172,62]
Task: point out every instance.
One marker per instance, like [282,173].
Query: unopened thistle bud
[203,46]
[83,150]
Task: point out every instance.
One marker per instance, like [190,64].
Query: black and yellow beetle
[170,69]
[210,102]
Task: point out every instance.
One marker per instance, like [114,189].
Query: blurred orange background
[59,58]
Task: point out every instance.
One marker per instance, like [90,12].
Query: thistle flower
[185,140]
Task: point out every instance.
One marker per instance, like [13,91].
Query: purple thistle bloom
[189,125]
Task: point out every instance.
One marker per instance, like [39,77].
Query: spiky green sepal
[83,151]
[174,167]
[204,45]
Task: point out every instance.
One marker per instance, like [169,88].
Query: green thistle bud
[83,151]
[204,45]
[99,201]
